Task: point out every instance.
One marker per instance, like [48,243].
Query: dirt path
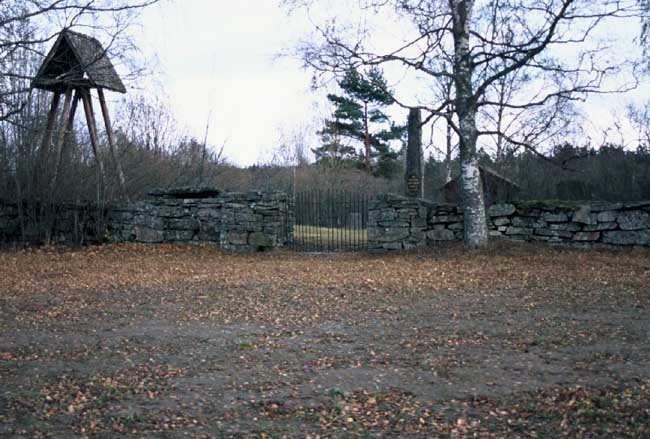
[516,340]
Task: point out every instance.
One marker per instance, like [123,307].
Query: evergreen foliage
[359,117]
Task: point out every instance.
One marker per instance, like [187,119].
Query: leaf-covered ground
[172,341]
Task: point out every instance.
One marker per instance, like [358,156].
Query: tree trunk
[471,186]
[448,153]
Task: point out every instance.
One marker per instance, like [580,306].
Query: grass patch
[314,234]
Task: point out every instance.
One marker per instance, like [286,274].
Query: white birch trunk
[471,186]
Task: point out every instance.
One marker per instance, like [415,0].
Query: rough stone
[569,227]
[234,238]
[527,221]
[260,240]
[584,215]
[438,219]
[627,237]
[519,231]
[607,216]
[440,235]
[634,220]
[183,224]
[586,236]
[148,235]
[502,221]
[554,233]
[552,217]
[600,227]
[456,226]
[392,246]
[502,209]
[392,234]
[178,235]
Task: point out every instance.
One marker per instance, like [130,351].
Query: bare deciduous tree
[478,43]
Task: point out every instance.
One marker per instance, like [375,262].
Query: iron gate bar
[329,221]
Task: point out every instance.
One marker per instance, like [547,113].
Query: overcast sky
[218,62]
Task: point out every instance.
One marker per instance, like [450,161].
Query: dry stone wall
[396,222]
[234,221]
[249,221]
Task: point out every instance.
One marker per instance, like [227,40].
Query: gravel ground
[516,340]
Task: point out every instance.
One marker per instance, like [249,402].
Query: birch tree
[558,44]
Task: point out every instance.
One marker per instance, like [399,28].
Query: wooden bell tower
[76,64]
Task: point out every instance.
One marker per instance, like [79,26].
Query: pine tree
[359,117]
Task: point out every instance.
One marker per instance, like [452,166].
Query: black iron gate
[329,221]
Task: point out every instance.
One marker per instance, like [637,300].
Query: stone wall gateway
[397,222]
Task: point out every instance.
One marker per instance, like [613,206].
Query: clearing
[517,340]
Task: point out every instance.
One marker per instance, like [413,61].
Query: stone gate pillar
[413,186]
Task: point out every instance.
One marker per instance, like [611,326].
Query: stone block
[382,215]
[456,226]
[207,235]
[553,217]
[171,212]
[443,219]
[440,235]
[392,246]
[148,235]
[569,227]
[234,238]
[394,224]
[584,215]
[208,213]
[627,237]
[392,234]
[518,231]
[607,216]
[554,233]
[407,213]
[260,240]
[178,235]
[586,236]
[503,209]
[600,227]
[183,224]
[501,221]
[634,220]
[528,221]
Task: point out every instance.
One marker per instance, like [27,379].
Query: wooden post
[47,139]
[111,144]
[94,141]
[66,119]
[413,186]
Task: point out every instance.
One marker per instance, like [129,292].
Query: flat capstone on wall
[396,223]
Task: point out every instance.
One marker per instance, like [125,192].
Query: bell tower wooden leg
[66,119]
[44,152]
[111,144]
[92,129]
